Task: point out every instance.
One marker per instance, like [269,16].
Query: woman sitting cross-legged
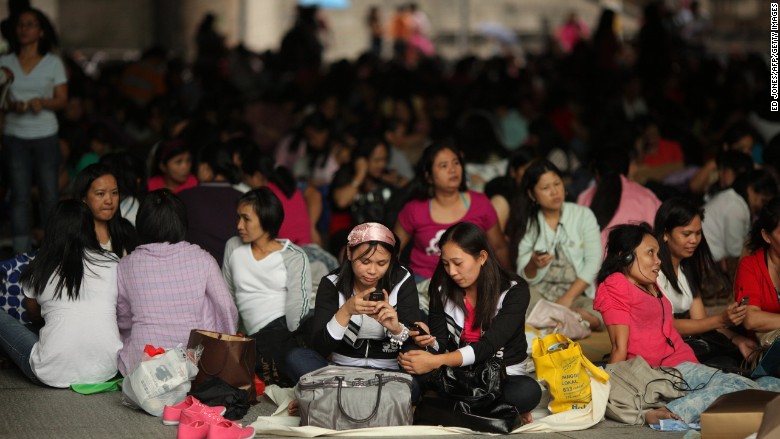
[71,285]
[477,311]
[167,286]
[640,323]
[348,328]
[685,261]
[555,243]
[269,279]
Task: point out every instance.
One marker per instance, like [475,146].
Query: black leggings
[522,391]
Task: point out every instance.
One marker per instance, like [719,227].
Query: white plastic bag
[161,380]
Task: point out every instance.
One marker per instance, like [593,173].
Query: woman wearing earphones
[640,323]
[556,244]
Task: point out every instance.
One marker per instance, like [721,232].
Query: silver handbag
[346,398]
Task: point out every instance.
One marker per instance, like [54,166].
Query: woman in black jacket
[477,312]
[349,327]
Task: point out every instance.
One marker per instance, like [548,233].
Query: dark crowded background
[673,84]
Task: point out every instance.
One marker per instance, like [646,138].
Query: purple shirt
[415,218]
[165,291]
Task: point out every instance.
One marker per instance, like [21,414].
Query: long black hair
[346,282]
[768,220]
[523,211]
[70,234]
[124,238]
[679,212]
[47,42]
[621,248]
[609,165]
[492,279]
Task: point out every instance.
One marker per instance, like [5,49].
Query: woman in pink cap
[350,329]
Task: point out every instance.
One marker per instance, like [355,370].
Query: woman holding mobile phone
[350,329]
[758,275]
[555,244]
[477,313]
[685,260]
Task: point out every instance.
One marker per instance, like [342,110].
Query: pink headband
[370,232]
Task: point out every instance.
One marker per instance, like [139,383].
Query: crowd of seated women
[354,182]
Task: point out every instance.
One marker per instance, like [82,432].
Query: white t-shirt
[259,287]
[681,300]
[726,224]
[80,341]
[39,83]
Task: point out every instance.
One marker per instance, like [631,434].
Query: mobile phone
[418,328]
[744,301]
[376,296]
[541,252]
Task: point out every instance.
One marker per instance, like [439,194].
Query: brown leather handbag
[229,357]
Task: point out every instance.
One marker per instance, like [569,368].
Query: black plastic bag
[214,391]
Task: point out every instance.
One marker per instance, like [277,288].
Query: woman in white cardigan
[269,279]
[556,244]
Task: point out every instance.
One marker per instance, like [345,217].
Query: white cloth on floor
[572,420]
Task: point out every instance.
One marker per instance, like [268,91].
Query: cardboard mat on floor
[282,425]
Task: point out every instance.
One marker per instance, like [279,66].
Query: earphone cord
[663,323]
[678,382]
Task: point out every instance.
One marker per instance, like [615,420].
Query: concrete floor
[30,411]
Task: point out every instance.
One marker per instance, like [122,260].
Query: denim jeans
[23,159]
[17,342]
[712,383]
[301,361]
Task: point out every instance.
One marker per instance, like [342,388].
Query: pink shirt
[469,334]
[415,218]
[296,225]
[157,182]
[649,319]
[637,204]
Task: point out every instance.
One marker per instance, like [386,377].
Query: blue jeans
[17,341]
[301,361]
[712,383]
[23,159]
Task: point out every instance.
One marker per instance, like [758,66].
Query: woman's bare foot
[292,408]
[526,418]
[655,416]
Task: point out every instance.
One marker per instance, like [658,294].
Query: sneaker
[193,430]
[230,430]
[199,413]
[172,413]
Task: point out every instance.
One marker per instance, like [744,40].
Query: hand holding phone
[376,296]
[418,328]
[744,301]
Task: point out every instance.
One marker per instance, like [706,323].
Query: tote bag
[226,356]
[559,361]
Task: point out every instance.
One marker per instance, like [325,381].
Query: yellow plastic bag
[559,361]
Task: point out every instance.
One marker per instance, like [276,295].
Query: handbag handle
[376,404]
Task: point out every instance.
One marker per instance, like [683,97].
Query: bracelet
[397,340]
